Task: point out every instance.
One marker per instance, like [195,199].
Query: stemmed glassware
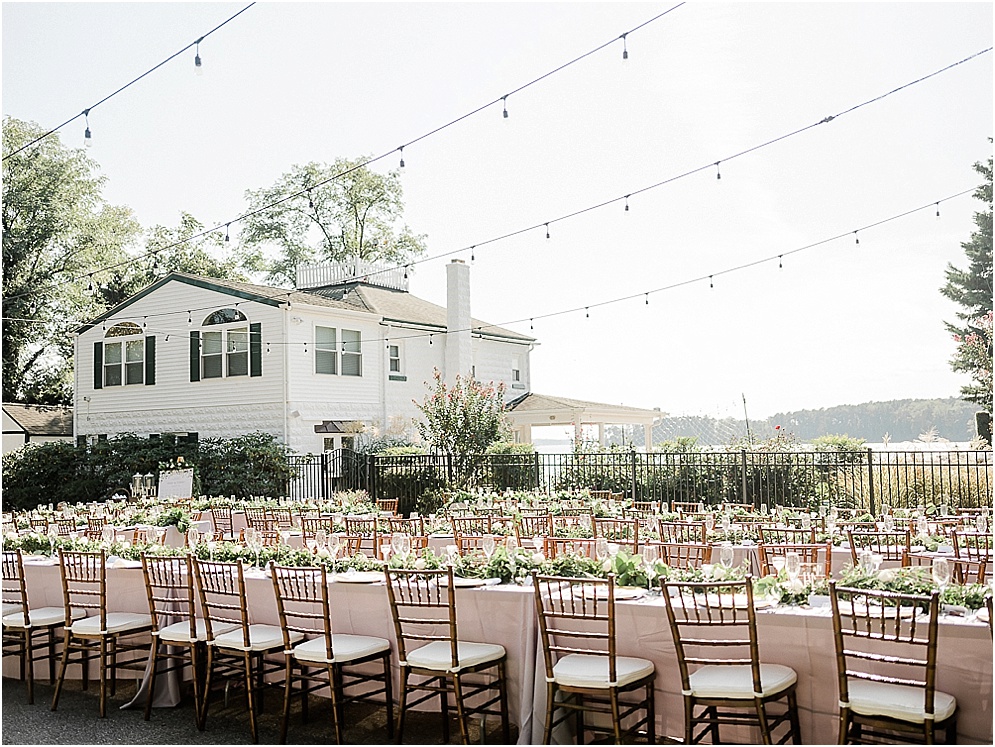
[601,548]
[709,523]
[889,523]
[108,535]
[981,523]
[726,554]
[193,537]
[53,535]
[488,544]
[651,554]
[253,541]
[941,573]
[792,565]
[334,543]
[400,544]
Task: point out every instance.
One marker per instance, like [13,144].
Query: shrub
[512,465]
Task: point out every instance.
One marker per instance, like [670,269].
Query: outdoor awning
[331,426]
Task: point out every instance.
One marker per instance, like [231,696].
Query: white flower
[606,566]
[420,564]
[886,576]
[538,557]
[11,535]
[323,552]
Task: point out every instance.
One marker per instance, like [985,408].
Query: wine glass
[320,538]
[601,548]
[333,542]
[53,534]
[922,526]
[488,544]
[726,555]
[806,521]
[211,545]
[889,523]
[537,542]
[981,523]
[866,560]
[512,544]
[941,573]
[397,543]
[193,537]
[651,554]
[726,523]
[792,564]
[108,535]
[253,540]
[709,523]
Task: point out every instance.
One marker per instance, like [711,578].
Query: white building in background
[203,357]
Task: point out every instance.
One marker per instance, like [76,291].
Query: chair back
[972,545]
[689,532]
[169,586]
[302,602]
[368,529]
[222,596]
[535,525]
[620,531]
[555,546]
[772,535]
[894,545]
[95,527]
[221,518]
[15,593]
[576,617]
[881,637]
[387,505]
[713,623]
[258,517]
[685,555]
[67,526]
[84,584]
[38,524]
[415,525]
[818,556]
[687,507]
[282,516]
[423,607]
[311,524]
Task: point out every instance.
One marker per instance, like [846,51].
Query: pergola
[532,410]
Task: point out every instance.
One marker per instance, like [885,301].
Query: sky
[832,322]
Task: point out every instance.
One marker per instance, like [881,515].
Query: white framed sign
[177,483]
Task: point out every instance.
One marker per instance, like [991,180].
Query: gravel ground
[77,721]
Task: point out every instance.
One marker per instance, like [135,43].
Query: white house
[211,358]
[24,424]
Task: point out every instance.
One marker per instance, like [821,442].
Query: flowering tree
[461,421]
[974,356]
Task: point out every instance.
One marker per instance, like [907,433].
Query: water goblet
[108,535]
[726,554]
[709,523]
[726,523]
[53,535]
[651,554]
[981,523]
[792,564]
[211,546]
[193,537]
[941,573]
[395,543]
[537,542]
[334,544]
[889,523]
[511,542]
[320,538]
[806,521]
[922,527]
[488,544]
[601,548]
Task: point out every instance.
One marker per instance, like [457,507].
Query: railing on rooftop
[863,479]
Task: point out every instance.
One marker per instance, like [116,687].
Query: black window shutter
[98,365]
[195,355]
[255,349]
[150,360]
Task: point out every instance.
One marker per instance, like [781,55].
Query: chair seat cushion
[586,670]
[261,638]
[43,617]
[180,632]
[897,701]
[438,655]
[345,648]
[10,608]
[736,681]
[117,622]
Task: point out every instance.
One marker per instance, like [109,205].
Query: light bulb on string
[856,238]
[627,203]
[504,103]
[167,338]
[587,313]
[226,232]
[197,65]
[780,262]
[267,348]
[647,296]
[547,230]
[473,252]
[430,342]
[87,137]
[305,348]
[718,170]
[89,287]
[401,151]
[625,49]
[937,210]
[710,283]
[530,324]
[145,324]
[290,304]
[189,318]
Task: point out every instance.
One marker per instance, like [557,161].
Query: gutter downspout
[286,373]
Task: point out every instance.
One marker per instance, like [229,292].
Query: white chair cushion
[10,608]
[180,632]
[261,638]
[586,670]
[736,681]
[43,617]
[117,622]
[438,655]
[345,648]
[897,701]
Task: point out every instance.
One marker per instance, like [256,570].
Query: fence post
[743,475]
[870,480]
[538,472]
[633,458]
[370,468]
[323,476]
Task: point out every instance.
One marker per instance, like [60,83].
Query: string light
[87,137]
[305,348]
[627,203]
[189,318]
[572,214]
[197,65]
[89,288]
[587,313]
[718,171]
[856,238]
[504,103]
[226,232]
[473,254]
[401,149]
[780,263]
[145,322]
[710,283]
[625,50]
[267,347]
[647,299]
[530,324]
[937,210]
[547,230]
[430,342]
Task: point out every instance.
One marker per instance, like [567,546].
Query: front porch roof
[534,409]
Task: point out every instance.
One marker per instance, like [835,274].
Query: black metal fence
[865,479]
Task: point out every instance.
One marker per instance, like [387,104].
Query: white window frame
[352,352]
[231,348]
[128,338]
[326,350]
[393,358]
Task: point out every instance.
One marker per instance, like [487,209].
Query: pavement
[77,721]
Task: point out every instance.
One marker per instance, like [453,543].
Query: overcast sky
[839,323]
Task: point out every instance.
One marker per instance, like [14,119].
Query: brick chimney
[459,345]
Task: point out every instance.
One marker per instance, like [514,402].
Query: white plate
[982,615]
[621,592]
[739,601]
[465,583]
[122,563]
[360,577]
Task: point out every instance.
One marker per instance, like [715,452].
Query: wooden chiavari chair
[423,606]
[786,535]
[685,555]
[973,545]
[684,532]
[25,630]
[687,507]
[325,659]
[535,525]
[582,665]
[555,546]
[819,556]
[100,634]
[624,532]
[715,633]
[222,521]
[387,505]
[886,663]
[368,529]
[235,647]
[893,546]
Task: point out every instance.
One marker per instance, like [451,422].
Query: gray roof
[533,402]
[393,305]
[41,420]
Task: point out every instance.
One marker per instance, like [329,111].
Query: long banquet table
[800,638]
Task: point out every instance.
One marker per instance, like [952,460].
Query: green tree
[209,255]
[971,288]
[56,228]
[340,211]
[461,421]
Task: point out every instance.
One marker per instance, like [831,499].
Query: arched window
[225,352]
[124,360]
